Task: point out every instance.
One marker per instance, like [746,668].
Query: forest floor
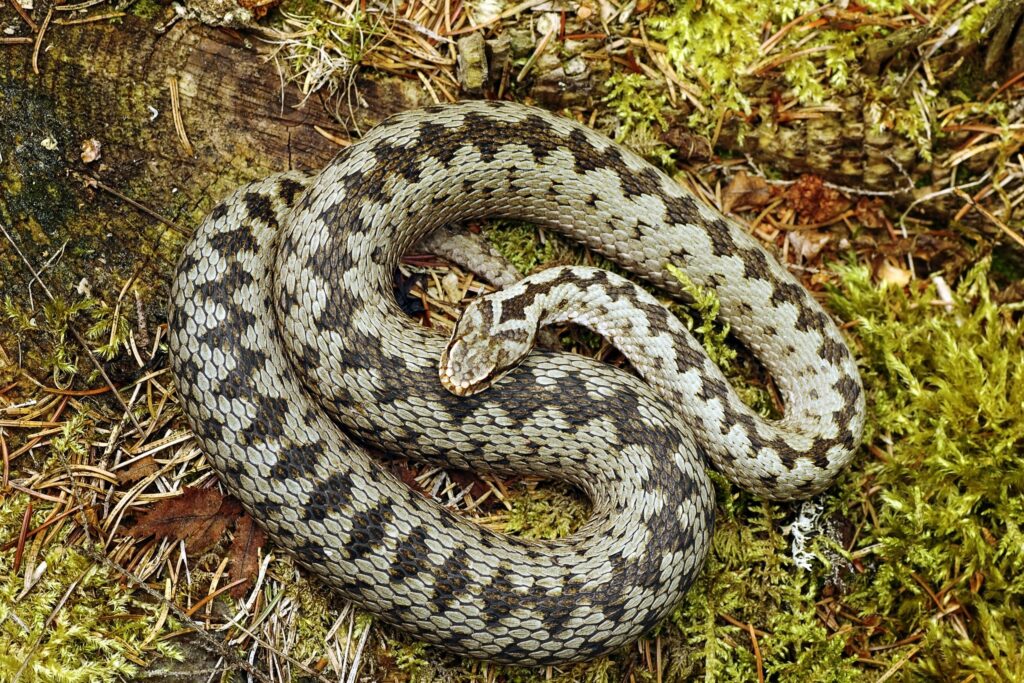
[875,148]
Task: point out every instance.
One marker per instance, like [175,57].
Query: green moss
[518,243]
[706,305]
[77,622]
[546,513]
[720,39]
[326,45]
[974,20]
[314,614]
[145,9]
[750,578]
[946,390]
[47,338]
[721,42]
[946,407]
[640,105]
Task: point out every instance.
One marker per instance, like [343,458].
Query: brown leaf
[140,469]
[871,212]
[91,150]
[746,190]
[813,201]
[477,487]
[198,516]
[887,272]
[245,554]
[407,471]
[808,244]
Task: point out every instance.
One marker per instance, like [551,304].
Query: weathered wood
[112,83]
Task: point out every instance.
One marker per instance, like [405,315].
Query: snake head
[481,351]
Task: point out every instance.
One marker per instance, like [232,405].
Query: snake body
[295,273]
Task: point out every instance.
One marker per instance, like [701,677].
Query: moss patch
[946,390]
[77,622]
[728,46]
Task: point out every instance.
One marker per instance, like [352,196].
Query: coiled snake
[296,273]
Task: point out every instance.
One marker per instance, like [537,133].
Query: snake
[294,363]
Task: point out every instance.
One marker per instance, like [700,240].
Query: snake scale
[295,273]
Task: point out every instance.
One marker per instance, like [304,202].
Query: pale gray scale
[473,253]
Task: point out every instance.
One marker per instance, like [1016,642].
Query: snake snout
[463,370]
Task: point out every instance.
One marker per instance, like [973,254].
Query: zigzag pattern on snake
[294,274]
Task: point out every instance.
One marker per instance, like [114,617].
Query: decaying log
[112,85]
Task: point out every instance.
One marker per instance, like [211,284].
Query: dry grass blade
[39,41]
[24,16]
[179,122]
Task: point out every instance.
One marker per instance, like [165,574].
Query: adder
[290,354]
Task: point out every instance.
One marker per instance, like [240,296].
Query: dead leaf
[808,244]
[140,469]
[198,516]
[813,201]
[893,275]
[245,554]
[870,212]
[91,150]
[477,487]
[746,190]
[407,471]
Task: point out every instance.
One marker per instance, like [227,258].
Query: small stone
[575,66]
[548,22]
